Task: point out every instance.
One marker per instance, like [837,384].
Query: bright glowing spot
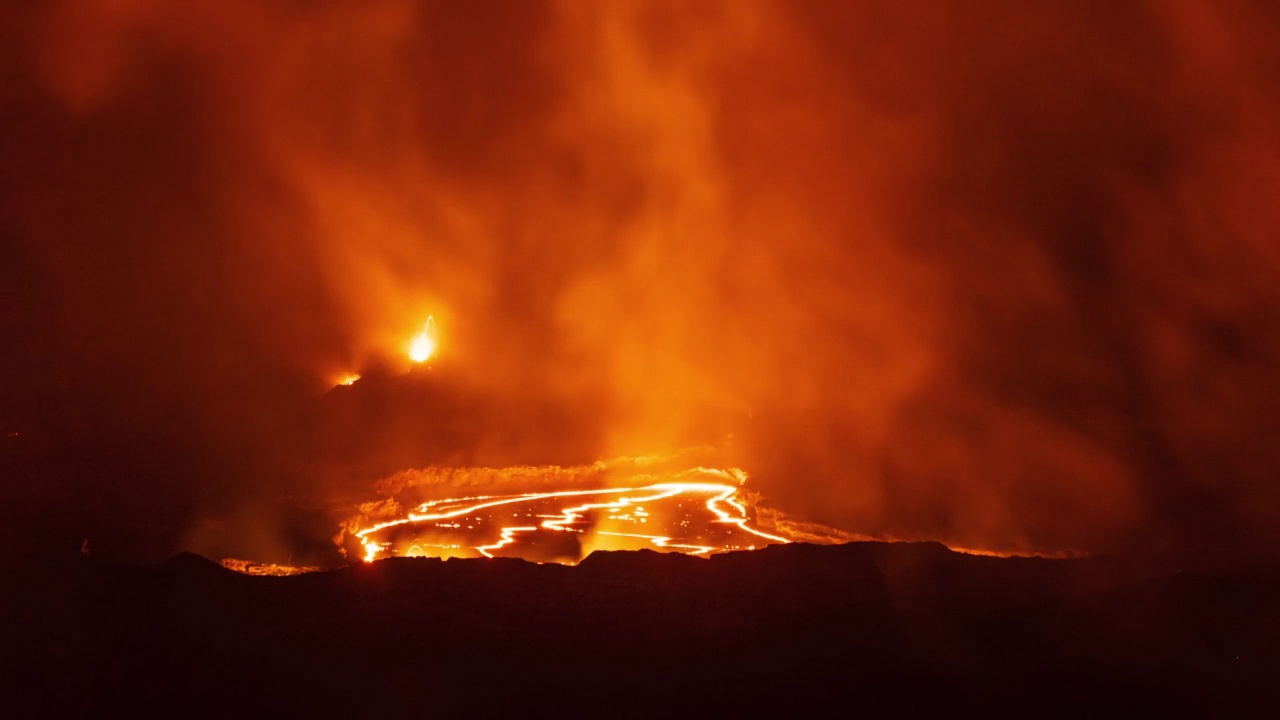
[349,379]
[371,550]
[423,345]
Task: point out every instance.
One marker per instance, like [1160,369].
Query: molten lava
[562,514]
[423,345]
[697,518]
[249,567]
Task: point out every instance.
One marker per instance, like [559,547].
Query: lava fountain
[423,346]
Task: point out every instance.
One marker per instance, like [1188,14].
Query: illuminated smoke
[1000,274]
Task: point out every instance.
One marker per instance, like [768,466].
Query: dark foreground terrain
[903,628]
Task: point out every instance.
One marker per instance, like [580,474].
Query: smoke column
[1003,275]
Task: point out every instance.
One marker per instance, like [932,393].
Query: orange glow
[249,567]
[423,346]
[913,287]
[371,550]
[665,542]
[348,379]
[698,518]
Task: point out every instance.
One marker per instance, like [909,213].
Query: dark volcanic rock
[904,628]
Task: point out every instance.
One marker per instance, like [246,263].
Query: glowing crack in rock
[697,518]
[527,512]
[561,514]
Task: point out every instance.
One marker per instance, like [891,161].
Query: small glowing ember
[349,379]
[423,345]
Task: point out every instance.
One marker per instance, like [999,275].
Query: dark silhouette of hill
[903,628]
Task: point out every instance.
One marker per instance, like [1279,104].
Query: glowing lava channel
[728,516]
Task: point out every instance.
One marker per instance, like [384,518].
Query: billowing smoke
[1002,274]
